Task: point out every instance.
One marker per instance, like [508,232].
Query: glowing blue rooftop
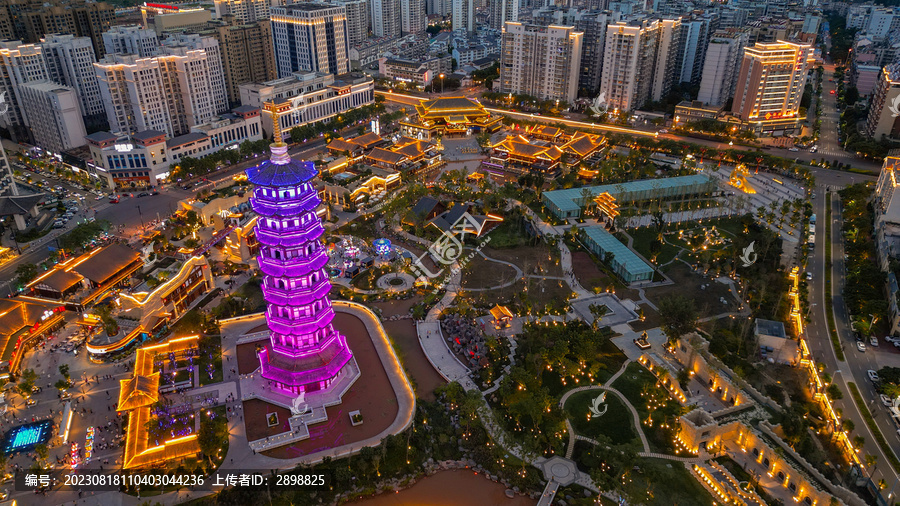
[281,170]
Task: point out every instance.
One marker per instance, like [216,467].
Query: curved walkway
[519,274]
[637,419]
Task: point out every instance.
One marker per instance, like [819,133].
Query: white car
[892,339]
[887,401]
[861,346]
[873,376]
[793,150]
[873,341]
[809,276]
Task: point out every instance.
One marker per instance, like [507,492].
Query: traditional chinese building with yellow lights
[136,396]
[450,116]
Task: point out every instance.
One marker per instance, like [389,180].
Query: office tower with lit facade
[310,37]
[305,352]
[770,85]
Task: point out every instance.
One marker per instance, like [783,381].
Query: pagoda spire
[278,148]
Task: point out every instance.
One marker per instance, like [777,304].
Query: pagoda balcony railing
[265,207]
[326,372]
[318,349]
[287,238]
[297,296]
[292,267]
[301,325]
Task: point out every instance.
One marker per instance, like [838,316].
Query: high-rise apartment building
[386,18]
[19,64]
[169,93]
[245,11]
[70,61]
[312,37]
[53,115]
[463,15]
[441,8]
[30,20]
[770,85]
[247,54]
[412,16]
[358,17]
[629,64]
[723,58]
[696,39]
[131,40]
[669,46]
[503,11]
[884,111]
[542,61]
[184,43]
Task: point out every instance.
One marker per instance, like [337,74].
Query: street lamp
[142,218]
[442,83]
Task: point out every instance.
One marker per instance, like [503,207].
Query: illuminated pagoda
[306,353]
[449,116]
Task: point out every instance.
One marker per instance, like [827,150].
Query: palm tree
[871,462]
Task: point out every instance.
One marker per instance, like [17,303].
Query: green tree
[598,311]
[25,273]
[679,316]
[26,383]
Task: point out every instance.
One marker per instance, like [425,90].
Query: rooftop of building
[566,200]
[770,328]
[147,135]
[19,204]
[628,259]
[100,265]
[101,137]
[307,7]
[187,138]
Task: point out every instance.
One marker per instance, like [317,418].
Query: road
[803,156]
[857,363]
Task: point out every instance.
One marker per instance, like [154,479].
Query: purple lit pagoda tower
[307,354]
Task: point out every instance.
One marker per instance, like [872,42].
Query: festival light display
[307,353]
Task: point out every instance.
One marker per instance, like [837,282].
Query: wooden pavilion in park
[502,316]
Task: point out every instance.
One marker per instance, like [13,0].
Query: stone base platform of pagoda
[254,386]
[383,396]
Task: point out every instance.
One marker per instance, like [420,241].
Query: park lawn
[642,238]
[210,344]
[616,423]
[538,292]
[539,259]
[482,273]
[687,283]
[662,483]
[508,234]
[639,386]
[610,358]
[367,279]
[651,319]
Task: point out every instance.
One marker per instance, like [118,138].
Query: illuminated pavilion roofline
[137,395]
[450,106]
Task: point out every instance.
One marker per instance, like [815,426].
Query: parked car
[861,346]
[873,341]
[873,376]
[794,150]
[892,339]
[886,401]
[809,276]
